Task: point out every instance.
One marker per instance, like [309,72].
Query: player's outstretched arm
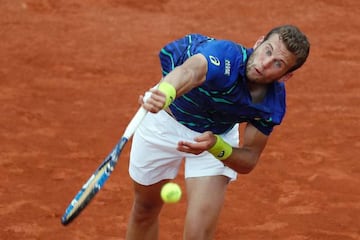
[182,79]
[190,74]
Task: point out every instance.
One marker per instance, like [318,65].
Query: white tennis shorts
[154,157]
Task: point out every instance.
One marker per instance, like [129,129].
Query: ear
[286,77]
[259,41]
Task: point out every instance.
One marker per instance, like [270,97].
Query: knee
[198,231]
[198,234]
[147,202]
[145,211]
[201,222]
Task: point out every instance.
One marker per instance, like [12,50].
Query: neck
[257,91]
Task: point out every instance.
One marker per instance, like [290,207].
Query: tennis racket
[102,173]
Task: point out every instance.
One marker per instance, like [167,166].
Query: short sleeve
[223,57]
[275,103]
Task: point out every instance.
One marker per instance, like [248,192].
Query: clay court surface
[70,75]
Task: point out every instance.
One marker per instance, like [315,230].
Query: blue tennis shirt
[224,98]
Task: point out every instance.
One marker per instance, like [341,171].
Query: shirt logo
[227,67]
[214,60]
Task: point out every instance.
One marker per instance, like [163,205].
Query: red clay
[70,75]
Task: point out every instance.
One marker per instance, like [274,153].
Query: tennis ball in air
[170,193]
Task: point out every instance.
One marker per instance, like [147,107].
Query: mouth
[258,71]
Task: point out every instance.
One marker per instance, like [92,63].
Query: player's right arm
[183,78]
[189,75]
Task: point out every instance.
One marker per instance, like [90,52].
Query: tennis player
[209,87]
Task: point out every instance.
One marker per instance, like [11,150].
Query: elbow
[249,166]
[246,170]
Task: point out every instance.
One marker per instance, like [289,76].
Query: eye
[268,52]
[278,64]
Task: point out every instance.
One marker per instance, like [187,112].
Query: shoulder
[225,52]
[220,48]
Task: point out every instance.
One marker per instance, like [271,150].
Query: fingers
[188,147]
[153,101]
[202,143]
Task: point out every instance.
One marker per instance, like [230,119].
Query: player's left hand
[201,143]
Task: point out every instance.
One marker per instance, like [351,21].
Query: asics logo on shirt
[214,60]
[227,67]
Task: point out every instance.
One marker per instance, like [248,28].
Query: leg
[153,159]
[205,200]
[143,222]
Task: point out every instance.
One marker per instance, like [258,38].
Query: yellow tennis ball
[170,193]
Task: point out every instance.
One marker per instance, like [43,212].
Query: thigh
[205,200]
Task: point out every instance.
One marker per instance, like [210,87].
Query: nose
[267,62]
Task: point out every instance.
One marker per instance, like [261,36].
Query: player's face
[270,61]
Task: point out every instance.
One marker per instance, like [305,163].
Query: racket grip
[138,117]
[135,122]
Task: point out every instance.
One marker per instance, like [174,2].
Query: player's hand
[153,100]
[201,143]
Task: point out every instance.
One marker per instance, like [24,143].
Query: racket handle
[138,117]
[135,122]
